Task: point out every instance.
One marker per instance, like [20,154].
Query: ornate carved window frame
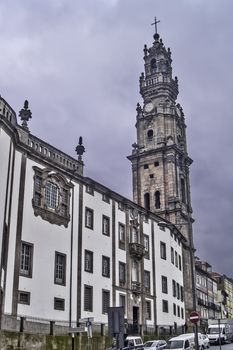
[60,214]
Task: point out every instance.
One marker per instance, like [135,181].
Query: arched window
[147,201]
[153,64]
[150,134]
[157,200]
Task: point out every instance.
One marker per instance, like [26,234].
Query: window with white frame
[122,276]
[26,259]
[163,253]
[121,230]
[165,306]
[148,309]
[89,218]
[51,195]
[106,225]
[122,301]
[60,268]
[88,298]
[105,266]
[105,301]
[164,284]
[88,261]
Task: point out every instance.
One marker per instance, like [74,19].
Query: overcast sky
[78,63]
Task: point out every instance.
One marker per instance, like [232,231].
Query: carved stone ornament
[51,196]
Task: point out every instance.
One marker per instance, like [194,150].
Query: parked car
[155,345]
[184,342]
[206,341]
[130,343]
[133,342]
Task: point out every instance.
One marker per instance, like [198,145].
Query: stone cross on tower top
[155,24]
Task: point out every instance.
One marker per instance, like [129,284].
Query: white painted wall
[100,244]
[166,268]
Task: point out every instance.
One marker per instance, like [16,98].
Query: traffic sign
[194,317]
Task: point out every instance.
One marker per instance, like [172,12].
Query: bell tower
[160,161]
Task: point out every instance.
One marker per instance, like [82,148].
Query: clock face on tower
[148,107]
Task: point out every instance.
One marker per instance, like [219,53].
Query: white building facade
[71,247]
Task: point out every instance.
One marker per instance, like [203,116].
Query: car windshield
[175,344]
[148,344]
[214,330]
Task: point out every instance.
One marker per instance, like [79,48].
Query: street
[224,347]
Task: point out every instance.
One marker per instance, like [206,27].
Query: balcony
[136,287]
[136,250]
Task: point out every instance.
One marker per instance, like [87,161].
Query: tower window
[157,200]
[182,185]
[156,164]
[146,166]
[150,134]
[153,64]
[147,201]
[151,176]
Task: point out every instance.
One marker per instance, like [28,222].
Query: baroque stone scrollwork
[51,196]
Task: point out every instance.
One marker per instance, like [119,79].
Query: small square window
[156,164]
[24,297]
[151,176]
[89,218]
[90,190]
[105,198]
[121,206]
[59,304]
[146,166]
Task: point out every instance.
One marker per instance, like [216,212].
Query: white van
[133,342]
[182,342]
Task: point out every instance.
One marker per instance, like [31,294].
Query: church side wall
[101,245]
[164,267]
